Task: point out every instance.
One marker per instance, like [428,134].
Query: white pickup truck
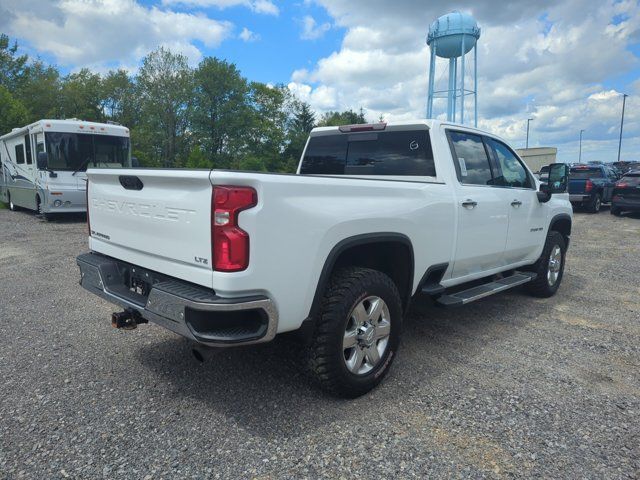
[376,215]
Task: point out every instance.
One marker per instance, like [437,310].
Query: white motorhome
[43,165]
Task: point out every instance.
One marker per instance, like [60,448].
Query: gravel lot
[507,387]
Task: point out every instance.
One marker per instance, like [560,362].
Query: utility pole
[624,100]
[528,120]
[580,154]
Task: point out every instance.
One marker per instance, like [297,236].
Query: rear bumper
[189,310]
[68,201]
[578,197]
[626,204]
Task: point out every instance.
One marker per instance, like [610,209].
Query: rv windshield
[79,151]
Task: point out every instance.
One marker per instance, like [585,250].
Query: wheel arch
[388,252]
[562,223]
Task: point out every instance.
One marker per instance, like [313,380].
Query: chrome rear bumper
[189,310]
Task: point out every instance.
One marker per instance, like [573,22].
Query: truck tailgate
[576,185]
[157,219]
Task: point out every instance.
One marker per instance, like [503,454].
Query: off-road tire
[540,286]
[595,204]
[346,289]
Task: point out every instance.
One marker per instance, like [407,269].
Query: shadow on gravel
[266,389]
[59,218]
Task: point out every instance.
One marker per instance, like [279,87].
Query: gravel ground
[510,386]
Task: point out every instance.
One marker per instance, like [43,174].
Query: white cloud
[259,6]
[249,36]
[311,30]
[100,32]
[546,60]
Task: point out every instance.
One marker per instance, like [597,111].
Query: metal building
[453,36]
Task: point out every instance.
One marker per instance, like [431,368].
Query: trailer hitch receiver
[127,319]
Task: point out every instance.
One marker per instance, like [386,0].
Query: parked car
[376,215]
[626,194]
[591,185]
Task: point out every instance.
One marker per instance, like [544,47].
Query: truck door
[483,213]
[527,216]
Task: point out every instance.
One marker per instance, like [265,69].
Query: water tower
[452,36]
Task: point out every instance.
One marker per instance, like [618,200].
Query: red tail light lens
[622,185]
[230,250]
[588,186]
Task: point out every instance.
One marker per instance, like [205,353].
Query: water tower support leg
[475,85]
[462,71]
[452,86]
[432,73]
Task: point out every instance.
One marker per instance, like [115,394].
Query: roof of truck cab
[431,124]
[72,125]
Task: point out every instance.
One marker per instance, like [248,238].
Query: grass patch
[2,206]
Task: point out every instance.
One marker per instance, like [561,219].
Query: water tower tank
[447,34]
[452,36]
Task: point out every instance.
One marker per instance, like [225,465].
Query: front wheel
[549,267]
[12,206]
[357,333]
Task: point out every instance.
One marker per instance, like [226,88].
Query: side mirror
[557,182]
[135,163]
[543,194]
[43,161]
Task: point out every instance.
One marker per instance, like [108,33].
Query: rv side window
[20,154]
[27,145]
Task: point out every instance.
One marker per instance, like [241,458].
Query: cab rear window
[405,153]
[586,173]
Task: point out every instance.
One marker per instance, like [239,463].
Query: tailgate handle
[131,182]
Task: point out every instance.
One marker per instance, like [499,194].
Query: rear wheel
[596,203]
[357,333]
[549,267]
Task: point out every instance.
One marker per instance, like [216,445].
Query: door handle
[516,203]
[468,203]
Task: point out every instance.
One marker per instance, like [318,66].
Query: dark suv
[626,193]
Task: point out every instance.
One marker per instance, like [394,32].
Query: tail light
[622,185]
[588,186]
[230,244]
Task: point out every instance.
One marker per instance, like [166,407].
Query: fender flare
[557,218]
[354,241]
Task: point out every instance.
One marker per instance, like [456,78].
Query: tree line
[178,116]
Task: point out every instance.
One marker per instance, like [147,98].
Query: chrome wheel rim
[598,203]
[555,264]
[366,336]
[11,206]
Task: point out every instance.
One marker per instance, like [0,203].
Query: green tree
[348,117]
[164,91]
[40,91]
[118,102]
[220,110]
[13,113]
[266,133]
[81,96]
[12,65]
[302,121]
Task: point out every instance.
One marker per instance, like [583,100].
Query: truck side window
[20,154]
[512,172]
[472,162]
[325,155]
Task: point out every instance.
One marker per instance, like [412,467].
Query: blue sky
[565,64]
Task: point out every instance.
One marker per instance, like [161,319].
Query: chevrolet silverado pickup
[376,215]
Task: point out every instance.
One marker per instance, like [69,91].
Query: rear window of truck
[586,173]
[405,153]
